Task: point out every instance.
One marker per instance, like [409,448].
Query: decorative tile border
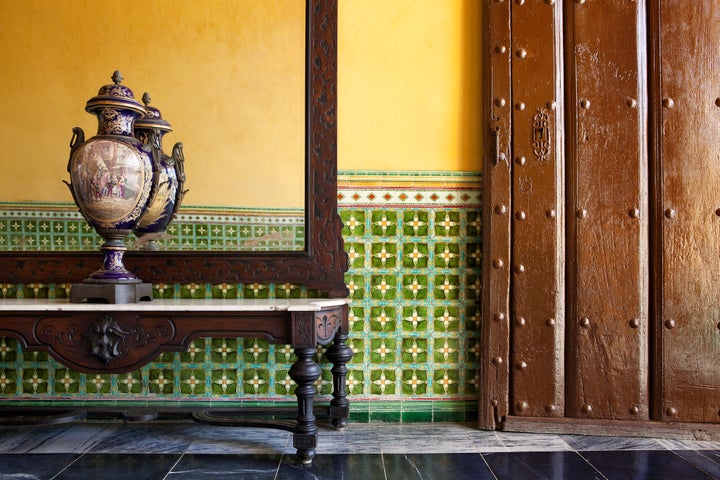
[409,189]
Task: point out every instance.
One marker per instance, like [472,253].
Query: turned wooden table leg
[305,372]
[339,354]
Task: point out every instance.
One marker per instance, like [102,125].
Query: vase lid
[152,118]
[114,95]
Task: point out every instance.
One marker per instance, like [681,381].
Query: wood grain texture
[688,316]
[608,335]
[538,229]
[620,428]
[642,205]
[495,339]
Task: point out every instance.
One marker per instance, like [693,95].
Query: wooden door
[602,212]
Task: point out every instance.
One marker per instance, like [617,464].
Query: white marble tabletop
[184,305]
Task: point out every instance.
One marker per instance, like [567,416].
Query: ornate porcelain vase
[169,174]
[111,180]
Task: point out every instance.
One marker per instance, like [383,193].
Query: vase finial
[117,77]
[146,98]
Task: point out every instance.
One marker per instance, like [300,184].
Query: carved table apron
[110,338]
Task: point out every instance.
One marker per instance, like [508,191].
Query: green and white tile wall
[59,226]
[415,254]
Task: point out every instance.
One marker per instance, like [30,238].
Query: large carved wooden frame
[321,265]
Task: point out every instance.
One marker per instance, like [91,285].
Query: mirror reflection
[228,75]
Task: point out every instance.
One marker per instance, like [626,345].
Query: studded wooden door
[602,212]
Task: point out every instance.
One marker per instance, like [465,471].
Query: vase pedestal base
[111,292]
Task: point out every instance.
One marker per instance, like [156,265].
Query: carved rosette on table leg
[331,325]
[305,372]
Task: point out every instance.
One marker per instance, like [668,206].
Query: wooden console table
[110,338]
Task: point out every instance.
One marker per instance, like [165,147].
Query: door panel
[607,212]
[494,372]
[537,370]
[689,162]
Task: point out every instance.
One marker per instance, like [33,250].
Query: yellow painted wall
[409,85]
[408,88]
[227,74]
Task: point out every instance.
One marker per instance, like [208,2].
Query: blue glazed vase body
[169,179]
